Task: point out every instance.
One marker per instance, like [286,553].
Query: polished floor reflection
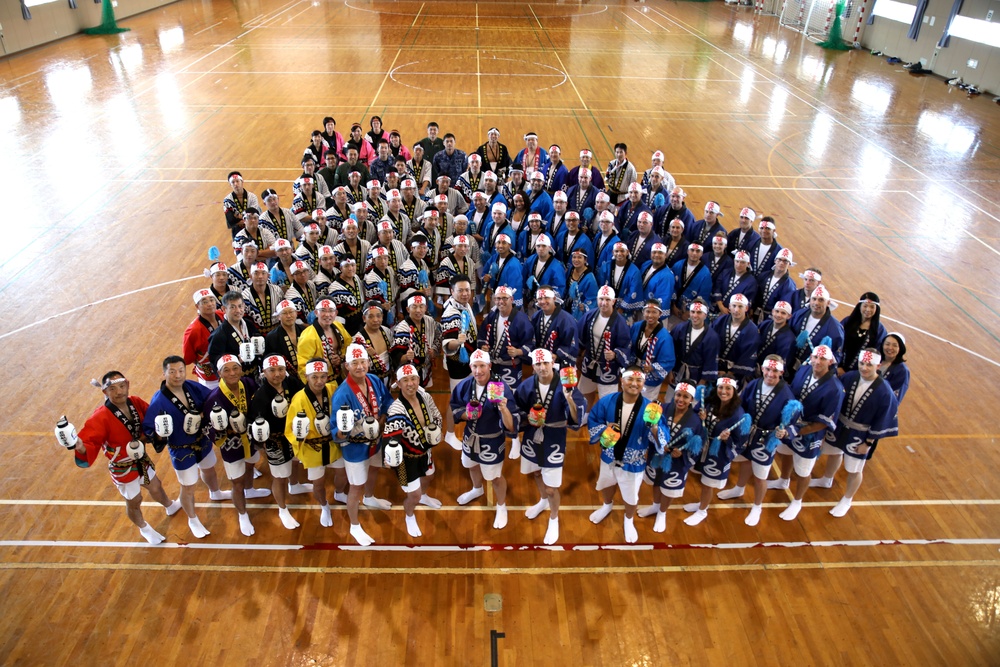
[114,152]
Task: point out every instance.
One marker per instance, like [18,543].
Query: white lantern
[322,423]
[393,454]
[192,423]
[369,428]
[300,426]
[247,352]
[433,433]
[66,433]
[164,425]
[279,406]
[135,450]
[238,421]
[260,429]
[218,419]
[345,419]
[258,345]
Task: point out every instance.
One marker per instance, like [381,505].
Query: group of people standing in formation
[680,345]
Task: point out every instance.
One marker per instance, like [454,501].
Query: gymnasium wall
[56,20]
[890,38]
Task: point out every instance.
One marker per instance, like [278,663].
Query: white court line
[516,16]
[511,508]
[208,28]
[934,336]
[649,18]
[647,30]
[95,303]
[512,548]
[818,106]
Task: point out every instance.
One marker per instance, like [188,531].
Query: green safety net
[835,40]
[108,24]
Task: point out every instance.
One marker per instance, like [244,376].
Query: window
[976,30]
[895,11]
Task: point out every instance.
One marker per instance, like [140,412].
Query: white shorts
[588,386]
[236,469]
[319,472]
[830,450]
[803,466]
[491,471]
[189,476]
[357,473]
[413,486]
[551,477]
[760,471]
[711,483]
[211,384]
[854,465]
[628,482]
[130,490]
[651,393]
[284,471]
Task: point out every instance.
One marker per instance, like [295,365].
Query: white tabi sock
[792,510]
[411,526]
[515,449]
[660,525]
[325,517]
[648,510]
[250,494]
[470,495]
[287,520]
[500,522]
[696,518]
[340,498]
[299,489]
[631,534]
[601,513]
[841,508]
[427,501]
[821,483]
[359,534]
[754,517]
[537,508]
[245,526]
[376,503]
[781,483]
[220,495]
[692,507]
[729,494]
[552,532]
[198,530]
[174,508]
[150,535]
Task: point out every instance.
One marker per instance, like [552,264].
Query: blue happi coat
[766,417]
[558,336]
[632,450]
[697,360]
[355,448]
[657,284]
[828,326]
[661,356]
[595,366]
[520,334]
[546,446]
[821,402]
[873,416]
[737,353]
[628,287]
[485,438]
[185,450]
[505,272]
[697,284]
[580,296]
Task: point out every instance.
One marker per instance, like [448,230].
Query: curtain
[871,13]
[945,37]
[25,12]
[918,17]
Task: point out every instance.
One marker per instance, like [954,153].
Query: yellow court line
[530,571]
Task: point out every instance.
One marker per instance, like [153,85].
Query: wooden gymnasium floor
[115,152]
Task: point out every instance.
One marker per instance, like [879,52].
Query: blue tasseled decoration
[694,445]
[213,254]
[699,395]
[802,339]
